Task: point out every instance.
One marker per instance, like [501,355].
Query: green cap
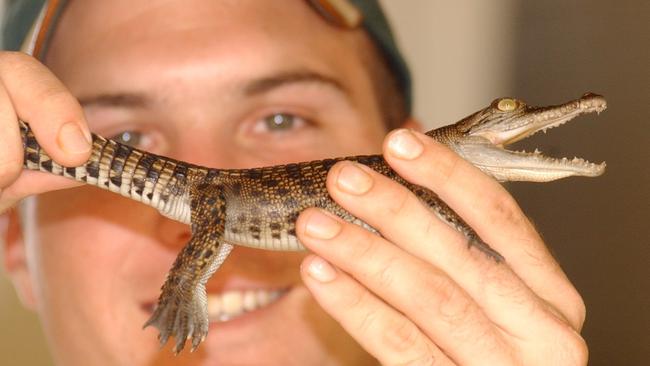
[20,15]
[18,19]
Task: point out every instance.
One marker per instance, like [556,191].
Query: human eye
[133,138]
[279,123]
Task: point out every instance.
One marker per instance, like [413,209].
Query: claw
[182,317]
[478,243]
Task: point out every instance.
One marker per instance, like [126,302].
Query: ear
[413,124]
[14,259]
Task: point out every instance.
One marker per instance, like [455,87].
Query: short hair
[389,92]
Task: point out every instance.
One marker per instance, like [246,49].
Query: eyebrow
[253,88]
[266,84]
[120,99]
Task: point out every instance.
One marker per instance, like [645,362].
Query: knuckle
[357,300]
[10,168]
[569,349]
[427,359]
[580,351]
[368,321]
[400,202]
[402,337]
[386,274]
[365,246]
[580,313]
[455,310]
[503,286]
[576,310]
[446,168]
[405,338]
[446,298]
[59,103]
[55,95]
[501,208]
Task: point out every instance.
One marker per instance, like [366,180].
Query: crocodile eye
[507,105]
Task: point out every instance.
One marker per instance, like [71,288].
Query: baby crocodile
[258,207]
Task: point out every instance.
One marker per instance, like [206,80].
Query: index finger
[41,100]
[488,208]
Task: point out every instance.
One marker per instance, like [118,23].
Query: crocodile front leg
[182,310]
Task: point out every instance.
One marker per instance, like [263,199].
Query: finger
[11,149]
[381,330]
[441,309]
[403,220]
[488,208]
[41,100]
[30,183]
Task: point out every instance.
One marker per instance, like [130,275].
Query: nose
[205,144]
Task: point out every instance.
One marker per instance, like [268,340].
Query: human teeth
[262,297]
[230,304]
[214,305]
[274,295]
[249,301]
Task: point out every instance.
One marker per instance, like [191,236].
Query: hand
[30,92]
[418,295]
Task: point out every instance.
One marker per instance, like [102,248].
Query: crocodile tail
[154,180]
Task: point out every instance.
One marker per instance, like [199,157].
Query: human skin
[89,262]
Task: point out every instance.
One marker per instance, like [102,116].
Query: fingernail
[404,144]
[353,179]
[321,226]
[320,270]
[73,140]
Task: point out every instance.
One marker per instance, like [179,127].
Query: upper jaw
[537,119]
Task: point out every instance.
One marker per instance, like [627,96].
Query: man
[251,83]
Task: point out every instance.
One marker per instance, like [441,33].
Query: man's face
[218,83]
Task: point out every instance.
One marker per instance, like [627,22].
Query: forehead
[147,14]
[98,27]
[125,42]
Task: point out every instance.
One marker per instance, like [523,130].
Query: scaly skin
[258,207]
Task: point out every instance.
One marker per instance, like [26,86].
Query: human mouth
[231,304]
[227,305]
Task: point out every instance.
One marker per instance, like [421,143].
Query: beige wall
[460,53]
[598,228]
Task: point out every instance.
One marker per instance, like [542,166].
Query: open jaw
[487,150]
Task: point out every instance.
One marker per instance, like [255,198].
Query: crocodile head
[481,138]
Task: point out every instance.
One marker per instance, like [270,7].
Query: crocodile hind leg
[449,216]
[182,310]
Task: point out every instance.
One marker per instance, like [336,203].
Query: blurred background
[465,53]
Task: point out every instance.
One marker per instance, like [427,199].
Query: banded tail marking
[151,179]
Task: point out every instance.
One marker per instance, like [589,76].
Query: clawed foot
[475,241]
[182,317]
